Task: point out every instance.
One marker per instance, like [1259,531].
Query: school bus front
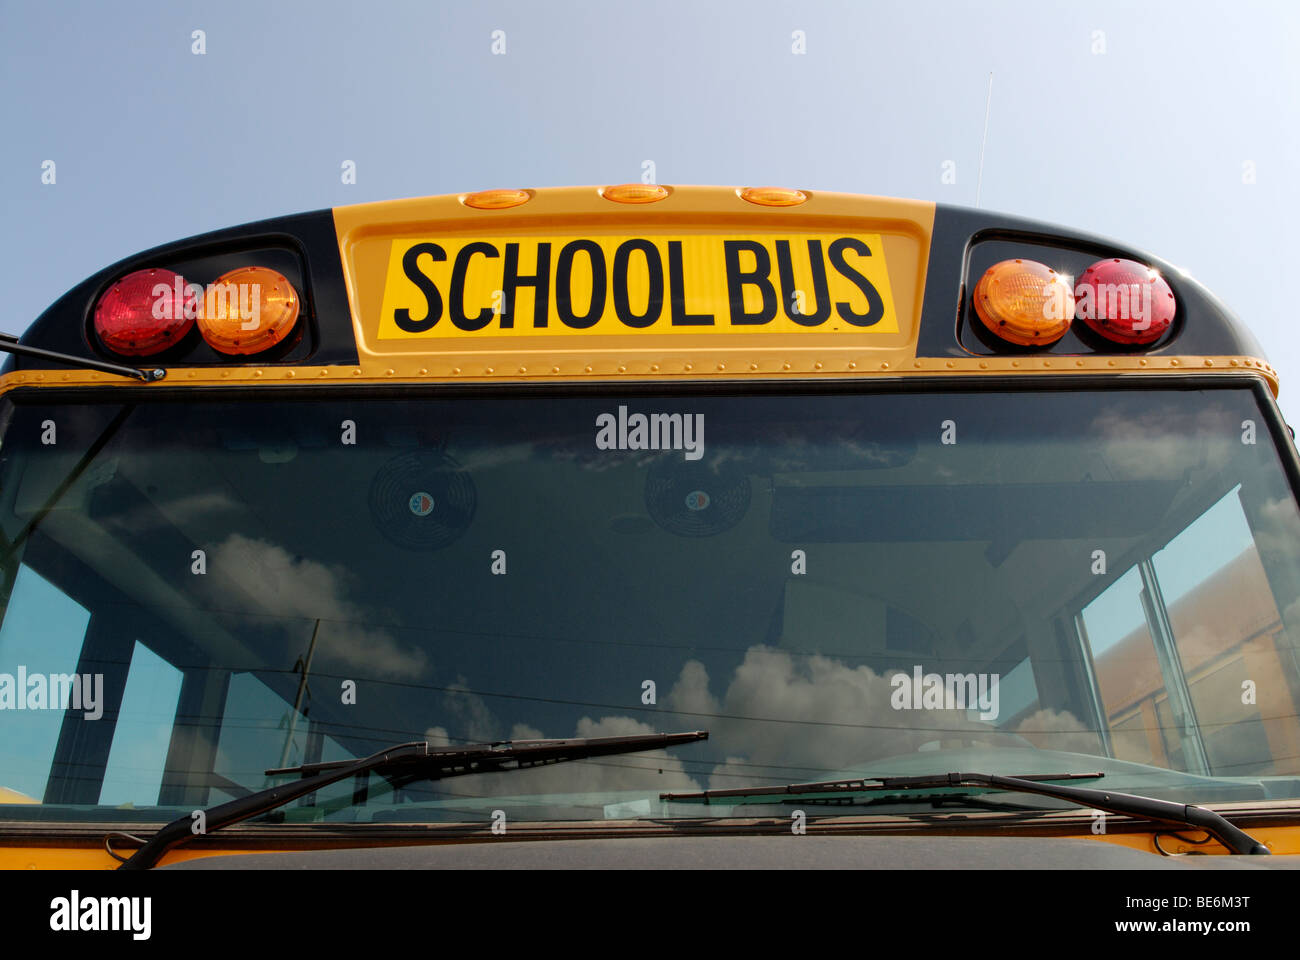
[650,515]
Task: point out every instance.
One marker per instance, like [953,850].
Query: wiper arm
[415,760]
[1126,804]
[9,344]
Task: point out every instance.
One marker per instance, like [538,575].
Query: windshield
[833,584]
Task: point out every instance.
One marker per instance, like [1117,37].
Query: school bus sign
[690,283]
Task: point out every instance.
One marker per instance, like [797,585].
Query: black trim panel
[966,242]
[304,247]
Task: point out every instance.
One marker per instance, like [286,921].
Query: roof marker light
[773,196]
[635,193]
[1025,302]
[496,199]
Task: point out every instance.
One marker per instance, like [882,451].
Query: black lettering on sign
[432,298]
[539,281]
[875,306]
[564,277]
[738,279]
[677,287]
[456,308]
[820,291]
[655,267]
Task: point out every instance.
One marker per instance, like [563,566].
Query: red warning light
[1125,301]
[144,313]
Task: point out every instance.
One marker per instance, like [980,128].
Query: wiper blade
[410,760]
[1125,804]
[837,790]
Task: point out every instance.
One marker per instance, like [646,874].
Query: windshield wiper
[1126,804]
[415,760]
[838,791]
[9,344]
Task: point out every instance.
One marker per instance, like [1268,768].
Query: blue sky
[1148,142]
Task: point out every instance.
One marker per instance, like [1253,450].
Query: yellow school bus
[798,527]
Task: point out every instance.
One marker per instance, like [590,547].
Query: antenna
[988,102]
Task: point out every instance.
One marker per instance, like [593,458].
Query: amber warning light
[1024,302]
[248,310]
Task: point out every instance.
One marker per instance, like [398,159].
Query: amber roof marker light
[1024,302]
[773,196]
[496,199]
[635,193]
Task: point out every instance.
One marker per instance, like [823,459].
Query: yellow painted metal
[366,234]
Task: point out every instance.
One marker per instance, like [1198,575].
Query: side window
[254,732]
[42,636]
[1127,672]
[143,732]
[259,731]
[1227,631]
[1017,695]
[1190,657]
